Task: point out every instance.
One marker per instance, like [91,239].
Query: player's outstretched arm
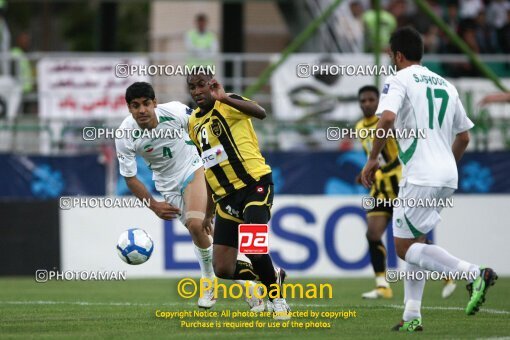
[162,209]
[245,106]
[496,98]
[460,144]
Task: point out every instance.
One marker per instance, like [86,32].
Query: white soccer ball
[135,246]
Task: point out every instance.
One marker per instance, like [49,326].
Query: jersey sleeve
[392,96]
[235,113]
[181,111]
[126,156]
[461,121]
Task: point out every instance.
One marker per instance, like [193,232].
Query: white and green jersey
[424,101]
[167,149]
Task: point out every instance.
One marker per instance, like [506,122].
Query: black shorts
[381,210]
[251,204]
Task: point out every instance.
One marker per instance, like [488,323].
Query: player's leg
[262,263]
[413,293]
[195,200]
[225,249]
[225,258]
[377,222]
[195,203]
[257,210]
[434,258]
[449,284]
[385,187]
[413,288]
[415,223]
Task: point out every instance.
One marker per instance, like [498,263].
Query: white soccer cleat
[281,275]
[256,304]
[378,293]
[208,300]
[280,309]
[448,289]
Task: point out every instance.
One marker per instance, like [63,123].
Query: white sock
[466,267]
[435,258]
[380,281]
[413,292]
[412,310]
[204,257]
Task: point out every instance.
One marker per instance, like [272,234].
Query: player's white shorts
[412,221]
[177,199]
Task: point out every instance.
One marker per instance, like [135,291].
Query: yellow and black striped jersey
[229,148]
[389,154]
[388,176]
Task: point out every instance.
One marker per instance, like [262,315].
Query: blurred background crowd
[59,71]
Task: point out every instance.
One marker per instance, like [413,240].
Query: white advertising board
[315,236]
[85,88]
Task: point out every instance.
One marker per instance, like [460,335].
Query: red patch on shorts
[260,189]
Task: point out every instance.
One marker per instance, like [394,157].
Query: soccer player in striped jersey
[239,180]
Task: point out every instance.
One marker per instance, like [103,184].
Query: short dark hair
[195,71]
[200,17]
[368,88]
[139,89]
[407,41]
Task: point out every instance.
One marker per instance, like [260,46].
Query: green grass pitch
[126,309]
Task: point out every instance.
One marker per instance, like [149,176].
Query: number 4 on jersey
[440,94]
[167,152]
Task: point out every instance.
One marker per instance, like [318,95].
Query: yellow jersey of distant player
[229,148]
[387,177]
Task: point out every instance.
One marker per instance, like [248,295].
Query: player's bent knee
[401,251]
[373,235]
[195,227]
[254,257]
[403,245]
[223,270]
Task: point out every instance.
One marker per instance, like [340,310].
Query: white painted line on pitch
[486,310]
[86,303]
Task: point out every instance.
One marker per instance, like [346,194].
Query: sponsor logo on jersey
[214,156]
[386,88]
[216,128]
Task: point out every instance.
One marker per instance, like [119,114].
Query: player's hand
[207,224]
[217,90]
[487,100]
[164,210]
[357,180]
[368,173]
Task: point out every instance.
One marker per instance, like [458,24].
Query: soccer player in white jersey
[416,98]
[177,169]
